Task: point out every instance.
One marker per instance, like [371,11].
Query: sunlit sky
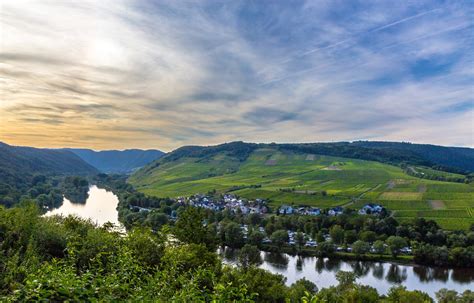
[161,74]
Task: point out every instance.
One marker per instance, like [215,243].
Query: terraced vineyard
[285,177]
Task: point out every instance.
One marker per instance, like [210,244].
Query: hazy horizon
[174,148]
[140,74]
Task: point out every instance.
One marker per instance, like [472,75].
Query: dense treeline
[452,159]
[374,235]
[76,189]
[438,177]
[68,259]
[44,190]
[47,191]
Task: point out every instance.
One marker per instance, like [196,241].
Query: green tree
[337,234]
[379,247]
[350,236]
[346,279]
[156,220]
[399,294]
[146,246]
[279,237]
[190,228]
[255,237]
[326,249]
[360,247]
[233,235]
[368,236]
[299,239]
[446,296]
[395,244]
[301,288]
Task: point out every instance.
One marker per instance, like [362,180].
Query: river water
[101,207]
[380,275]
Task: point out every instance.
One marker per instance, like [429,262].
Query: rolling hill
[323,175]
[18,163]
[42,161]
[117,161]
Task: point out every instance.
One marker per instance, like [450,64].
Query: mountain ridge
[117,161]
[23,162]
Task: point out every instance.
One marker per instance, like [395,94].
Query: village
[244,206]
[259,206]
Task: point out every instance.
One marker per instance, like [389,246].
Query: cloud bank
[161,74]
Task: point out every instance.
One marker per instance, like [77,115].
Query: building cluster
[371,209]
[227,201]
[290,210]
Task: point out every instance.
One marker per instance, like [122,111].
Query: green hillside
[27,172]
[291,177]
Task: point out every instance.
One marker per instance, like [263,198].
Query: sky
[161,74]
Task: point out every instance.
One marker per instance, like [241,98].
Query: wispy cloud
[123,73]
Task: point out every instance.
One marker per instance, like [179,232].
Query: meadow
[316,180]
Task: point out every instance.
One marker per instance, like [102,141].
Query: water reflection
[463,275]
[277,259]
[333,265]
[100,207]
[299,263]
[378,270]
[322,272]
[396,274]
[361,268]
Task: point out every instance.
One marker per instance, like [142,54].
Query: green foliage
[451,296]
[189,228]
[68,259]
[395,244]
[337,234]
[279,237]
[360,247]
[379,247]
[399,294]
[233,235]
[300,289]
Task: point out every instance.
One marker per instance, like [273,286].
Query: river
[101,207]
[381,275]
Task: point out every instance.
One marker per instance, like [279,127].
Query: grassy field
[306,179]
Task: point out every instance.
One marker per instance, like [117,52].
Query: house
[335,211]
[313,211]
[406,250]
[371,209]
[285,209]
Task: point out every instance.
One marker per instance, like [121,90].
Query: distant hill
[116,161]
[19,162]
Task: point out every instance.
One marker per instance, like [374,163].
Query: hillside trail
[356,199]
